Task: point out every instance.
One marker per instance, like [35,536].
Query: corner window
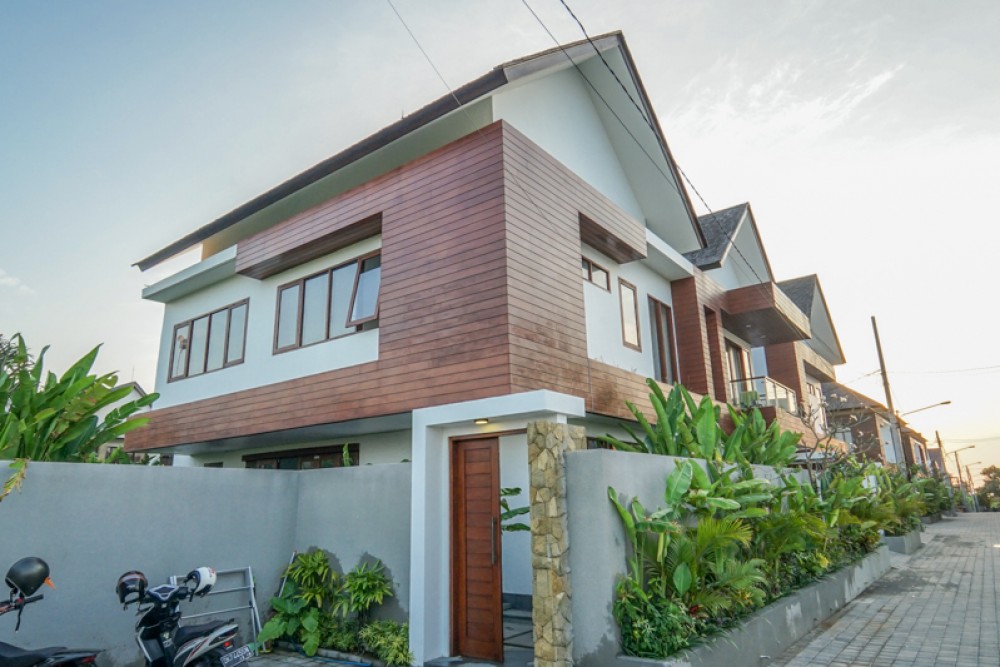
[630,314]
[330,304]
[209,342]
[596,274]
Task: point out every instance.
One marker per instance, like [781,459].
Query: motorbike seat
[12,656]
[188,632]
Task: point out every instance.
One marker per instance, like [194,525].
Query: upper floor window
[209,342]
[596,274]
[330,304]
[662,325]
[630,314]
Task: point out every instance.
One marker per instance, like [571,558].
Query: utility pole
[893,420]
[972,490]
[944,468]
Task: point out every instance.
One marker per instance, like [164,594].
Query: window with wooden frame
[306,459]
[595,273]
[630,314]
[209,342]
[326,305]
[664,357]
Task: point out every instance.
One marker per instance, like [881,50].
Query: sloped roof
[800,291]
[803,292]
[719,229]
[840,397]
[479,88]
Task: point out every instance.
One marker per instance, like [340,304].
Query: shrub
[388,641]
[651,626]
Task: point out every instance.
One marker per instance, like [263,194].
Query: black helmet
[131,587]
[27,575]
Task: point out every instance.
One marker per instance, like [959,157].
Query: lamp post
[972,485]
[958,466]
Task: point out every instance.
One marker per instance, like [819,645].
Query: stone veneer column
[551,594]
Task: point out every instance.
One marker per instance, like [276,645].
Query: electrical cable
[760,281]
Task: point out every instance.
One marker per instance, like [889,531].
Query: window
[596,274]
[209,342]
[630,314]
[664,359]
[739,369]
[330,304]
[305,459]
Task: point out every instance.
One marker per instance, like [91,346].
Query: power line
[953,371]
[760,281]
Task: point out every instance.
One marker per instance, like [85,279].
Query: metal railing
[762,392]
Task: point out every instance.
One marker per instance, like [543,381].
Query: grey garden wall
[359,514]
[597,539]
[93,522]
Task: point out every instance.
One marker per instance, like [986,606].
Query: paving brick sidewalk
[938,607]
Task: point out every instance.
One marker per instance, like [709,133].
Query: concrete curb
[777,626]
[904,544]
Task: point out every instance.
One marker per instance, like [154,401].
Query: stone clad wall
[552,592]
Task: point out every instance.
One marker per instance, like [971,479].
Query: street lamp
[928,407]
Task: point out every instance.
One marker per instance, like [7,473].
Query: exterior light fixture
[481,421]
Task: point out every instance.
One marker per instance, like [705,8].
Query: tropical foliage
[318,608]
[728,539]
[45,417]
[686,428]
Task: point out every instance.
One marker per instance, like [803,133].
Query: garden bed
[352,658]
[930,518]
[904,544]
[780,624]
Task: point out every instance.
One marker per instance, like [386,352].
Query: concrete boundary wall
[94,522]
[597,542]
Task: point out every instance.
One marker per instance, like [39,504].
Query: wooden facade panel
[481,295]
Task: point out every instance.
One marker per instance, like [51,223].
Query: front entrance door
[477,610]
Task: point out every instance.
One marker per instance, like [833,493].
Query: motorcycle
[166,643]
[24,578]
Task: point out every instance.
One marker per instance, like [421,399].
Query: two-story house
[520,249]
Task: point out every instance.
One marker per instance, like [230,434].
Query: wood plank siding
[481,293]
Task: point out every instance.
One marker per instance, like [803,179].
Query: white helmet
[203,578]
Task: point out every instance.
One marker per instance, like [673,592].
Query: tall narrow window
[364,305]
[209,342]
[664,359]
[630,314]
[330,304]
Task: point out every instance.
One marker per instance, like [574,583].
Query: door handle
[493,541]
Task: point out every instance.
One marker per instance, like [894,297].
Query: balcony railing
[762,392]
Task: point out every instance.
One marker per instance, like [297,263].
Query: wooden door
[477,611]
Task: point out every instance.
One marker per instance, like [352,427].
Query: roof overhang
[560,57]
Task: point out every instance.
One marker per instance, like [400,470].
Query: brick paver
[938,607]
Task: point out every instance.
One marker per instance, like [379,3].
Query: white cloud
[13,282]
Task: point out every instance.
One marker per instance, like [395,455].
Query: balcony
[764,315]
[763,392]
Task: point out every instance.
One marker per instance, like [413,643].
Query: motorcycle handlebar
[18,603]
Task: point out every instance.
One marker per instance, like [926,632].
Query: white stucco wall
[557,113]
[604,316]
[743,267]
[261,366]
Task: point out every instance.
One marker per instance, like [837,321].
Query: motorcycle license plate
[236,657]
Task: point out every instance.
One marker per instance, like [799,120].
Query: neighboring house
[779,342]
[136,392]
[523,249]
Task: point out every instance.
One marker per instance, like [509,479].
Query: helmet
[27,575]
[131,587]
[203,578]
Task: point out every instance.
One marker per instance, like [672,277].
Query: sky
[865,135]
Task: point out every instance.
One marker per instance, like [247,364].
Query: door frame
[453,443]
